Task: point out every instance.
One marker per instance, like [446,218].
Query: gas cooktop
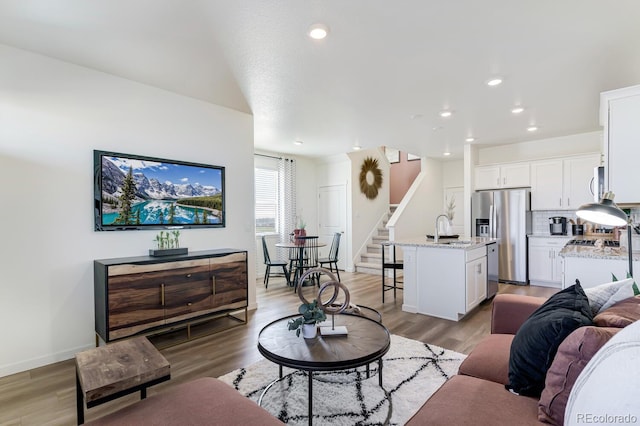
[590,243]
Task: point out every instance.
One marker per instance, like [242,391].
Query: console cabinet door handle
[162,294]
[213,285]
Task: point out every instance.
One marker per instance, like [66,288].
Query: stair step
[371,261]
[371,258]
[374,248]
[369,268]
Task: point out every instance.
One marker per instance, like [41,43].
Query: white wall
[307,193]
[366,213]
[452,173]
[416,214]
[542,148]
[52,115]
[453,185]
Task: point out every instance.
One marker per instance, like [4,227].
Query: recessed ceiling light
[445,113]
[318,31]
[517,110]
[446,154]
[357,147]
[470,139]
[495,81]
[298,143]
[532,128]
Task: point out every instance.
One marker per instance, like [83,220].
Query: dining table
[300,246]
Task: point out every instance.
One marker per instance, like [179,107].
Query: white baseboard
[18,367]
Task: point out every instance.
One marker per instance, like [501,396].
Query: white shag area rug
[411,372]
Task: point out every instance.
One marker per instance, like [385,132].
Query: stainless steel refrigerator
[505,215]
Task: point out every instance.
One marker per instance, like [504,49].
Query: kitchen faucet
[436,236]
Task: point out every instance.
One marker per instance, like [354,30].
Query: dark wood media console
[143,294]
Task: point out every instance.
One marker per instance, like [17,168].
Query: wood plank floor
[46,395]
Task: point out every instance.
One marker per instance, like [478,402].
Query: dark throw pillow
[536,342]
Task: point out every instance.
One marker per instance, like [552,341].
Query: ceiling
[382,75]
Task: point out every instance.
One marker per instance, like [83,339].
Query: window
[266,196]
[275,195]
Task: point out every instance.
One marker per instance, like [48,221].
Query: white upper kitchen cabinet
[578,185]
[563,184]
[619,114]
[514,175]
[546,185]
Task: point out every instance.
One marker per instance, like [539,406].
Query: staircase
[371,261]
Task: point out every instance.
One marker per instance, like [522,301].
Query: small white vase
[448,227]
[309,331]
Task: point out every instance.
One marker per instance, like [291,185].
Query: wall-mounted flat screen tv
[138,192]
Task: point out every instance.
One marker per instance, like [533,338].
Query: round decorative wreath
[370,190]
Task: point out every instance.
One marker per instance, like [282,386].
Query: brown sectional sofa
[205,401]
[477,395]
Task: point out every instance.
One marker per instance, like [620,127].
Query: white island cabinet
[445,280]
[593,267]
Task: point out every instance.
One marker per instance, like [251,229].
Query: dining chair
[269,263]
[333,255]
[307,258]
[294,254]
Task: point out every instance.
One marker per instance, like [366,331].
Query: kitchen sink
[456,242]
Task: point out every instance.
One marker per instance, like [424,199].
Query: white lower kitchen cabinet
[476,278]
[545,264]
[595,271]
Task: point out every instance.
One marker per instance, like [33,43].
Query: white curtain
[287,197]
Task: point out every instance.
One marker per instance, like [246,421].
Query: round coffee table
[367,341]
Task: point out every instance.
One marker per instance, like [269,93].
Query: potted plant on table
[300,231]
[312,314]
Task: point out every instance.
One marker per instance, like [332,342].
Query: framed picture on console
[140,192]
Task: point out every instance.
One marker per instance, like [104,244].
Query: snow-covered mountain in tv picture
[150,188]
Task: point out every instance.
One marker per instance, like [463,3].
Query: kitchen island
[596,264]
[446,279]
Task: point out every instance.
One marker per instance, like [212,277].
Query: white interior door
[332,218]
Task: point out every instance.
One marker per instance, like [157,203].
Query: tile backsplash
[540,219]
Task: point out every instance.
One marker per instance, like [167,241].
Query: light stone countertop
[446,243]
[549,236]
[598,252]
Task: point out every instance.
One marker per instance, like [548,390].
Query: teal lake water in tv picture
[152,211]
